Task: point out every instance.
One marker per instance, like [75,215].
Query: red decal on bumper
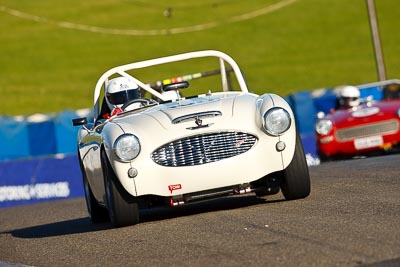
[171,188]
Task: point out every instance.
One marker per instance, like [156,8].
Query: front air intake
[360,131]
[202,149]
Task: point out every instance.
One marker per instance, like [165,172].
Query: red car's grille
[380,128]
[202,149]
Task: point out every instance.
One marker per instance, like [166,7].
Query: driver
[119,91]
[349,97]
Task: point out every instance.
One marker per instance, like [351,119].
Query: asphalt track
[351,218]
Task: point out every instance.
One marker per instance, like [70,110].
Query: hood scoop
[196,116]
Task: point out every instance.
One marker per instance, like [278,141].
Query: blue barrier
[29,171]
[41,138]
[39,135]
[303,106]
[65,133]
[13,138]
[324,102]
[38,180]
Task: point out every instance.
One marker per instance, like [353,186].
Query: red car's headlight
[323,127]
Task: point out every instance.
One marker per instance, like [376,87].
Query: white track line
[199,27]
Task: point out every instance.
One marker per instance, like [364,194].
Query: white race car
[173,150]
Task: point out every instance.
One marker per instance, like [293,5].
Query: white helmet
[119,91]
[349,96]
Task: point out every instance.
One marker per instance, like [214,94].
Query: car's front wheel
[122,208]
[97,213]
[296,178]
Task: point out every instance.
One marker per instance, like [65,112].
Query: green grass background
[309,44]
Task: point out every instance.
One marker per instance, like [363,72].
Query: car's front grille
[380,128]
[204,148]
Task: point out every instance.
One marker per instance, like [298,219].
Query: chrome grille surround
[379,128]
[203,148]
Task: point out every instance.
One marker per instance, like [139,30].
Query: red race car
[369,129]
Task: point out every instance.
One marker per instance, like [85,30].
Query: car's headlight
[323,127]
[276,121]
[126,147]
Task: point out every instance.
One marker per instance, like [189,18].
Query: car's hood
[195,111]
[372,112]
[177,112]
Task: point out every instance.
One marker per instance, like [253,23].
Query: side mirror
[79,121]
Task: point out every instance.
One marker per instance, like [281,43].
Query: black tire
[97,213]
[296,178]
[123,209]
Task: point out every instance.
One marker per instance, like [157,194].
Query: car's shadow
[226,203]
[84,225]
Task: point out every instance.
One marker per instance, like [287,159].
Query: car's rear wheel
[97,213]
[123,209]
[296,178]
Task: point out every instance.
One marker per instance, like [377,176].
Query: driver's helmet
[119,91]
[349,97]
